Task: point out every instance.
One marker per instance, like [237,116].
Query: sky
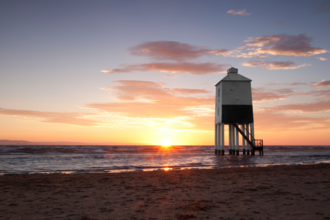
[138,71]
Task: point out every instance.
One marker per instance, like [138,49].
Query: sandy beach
[282,192]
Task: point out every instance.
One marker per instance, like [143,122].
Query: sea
[70,159]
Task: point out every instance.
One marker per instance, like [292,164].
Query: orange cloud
[180,67]
[149,99]
[274,65]
[172,50]
[286,45]
[205,122]
[270,121]
[307,107]
[238,12]
[193,109]
[321,93]
[284,91]
[323,83]
[188,91]
[170,76]
[53,117]
[260,94]
[297,83]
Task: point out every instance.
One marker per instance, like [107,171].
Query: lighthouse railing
[256,144]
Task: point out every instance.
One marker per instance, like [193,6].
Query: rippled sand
[283,192]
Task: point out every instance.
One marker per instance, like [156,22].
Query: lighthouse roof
[232,75]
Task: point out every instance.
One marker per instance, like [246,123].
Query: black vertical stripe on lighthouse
[241,114]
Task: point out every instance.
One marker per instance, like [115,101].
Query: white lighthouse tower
[234,109]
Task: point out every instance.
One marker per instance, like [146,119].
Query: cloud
[118,70]
[306,107]
[284,91]
[181,67]
[172,50]
[170,76]
[260,47]
[285,45]
[321,93]
[238,12]
[240,54]
[144,99]
[274,65]
[54,117]
[284,122]
[291,84]
[188,91]
[322,58]
[297,83]
[323,83]
[261,94]
[203,122]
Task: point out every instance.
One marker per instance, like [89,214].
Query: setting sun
[166,142]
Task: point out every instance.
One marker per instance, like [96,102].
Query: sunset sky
[138,71]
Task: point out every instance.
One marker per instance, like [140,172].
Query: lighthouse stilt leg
[215,139]
[222,139]
[247,134]
[229,146]
[218,135]
[252,134]
[237,142]
[243,140]
[219,139]
[232,140]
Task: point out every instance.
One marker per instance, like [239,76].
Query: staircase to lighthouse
[256,144]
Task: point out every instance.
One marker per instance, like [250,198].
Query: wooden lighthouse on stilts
[234,109]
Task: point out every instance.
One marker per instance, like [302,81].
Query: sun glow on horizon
[166,142]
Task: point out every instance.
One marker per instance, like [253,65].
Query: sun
[166,142]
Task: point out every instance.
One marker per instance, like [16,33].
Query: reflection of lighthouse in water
[234,108]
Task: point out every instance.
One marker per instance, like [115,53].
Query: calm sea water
[104,159]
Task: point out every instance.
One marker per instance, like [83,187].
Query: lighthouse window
[218,92]
[217,111]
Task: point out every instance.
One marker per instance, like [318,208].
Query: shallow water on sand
[27,159]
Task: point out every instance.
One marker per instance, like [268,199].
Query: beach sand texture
[282,192]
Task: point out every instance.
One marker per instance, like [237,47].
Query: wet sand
[283,192]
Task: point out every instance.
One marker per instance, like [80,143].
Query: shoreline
[289,192]
[155,169]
